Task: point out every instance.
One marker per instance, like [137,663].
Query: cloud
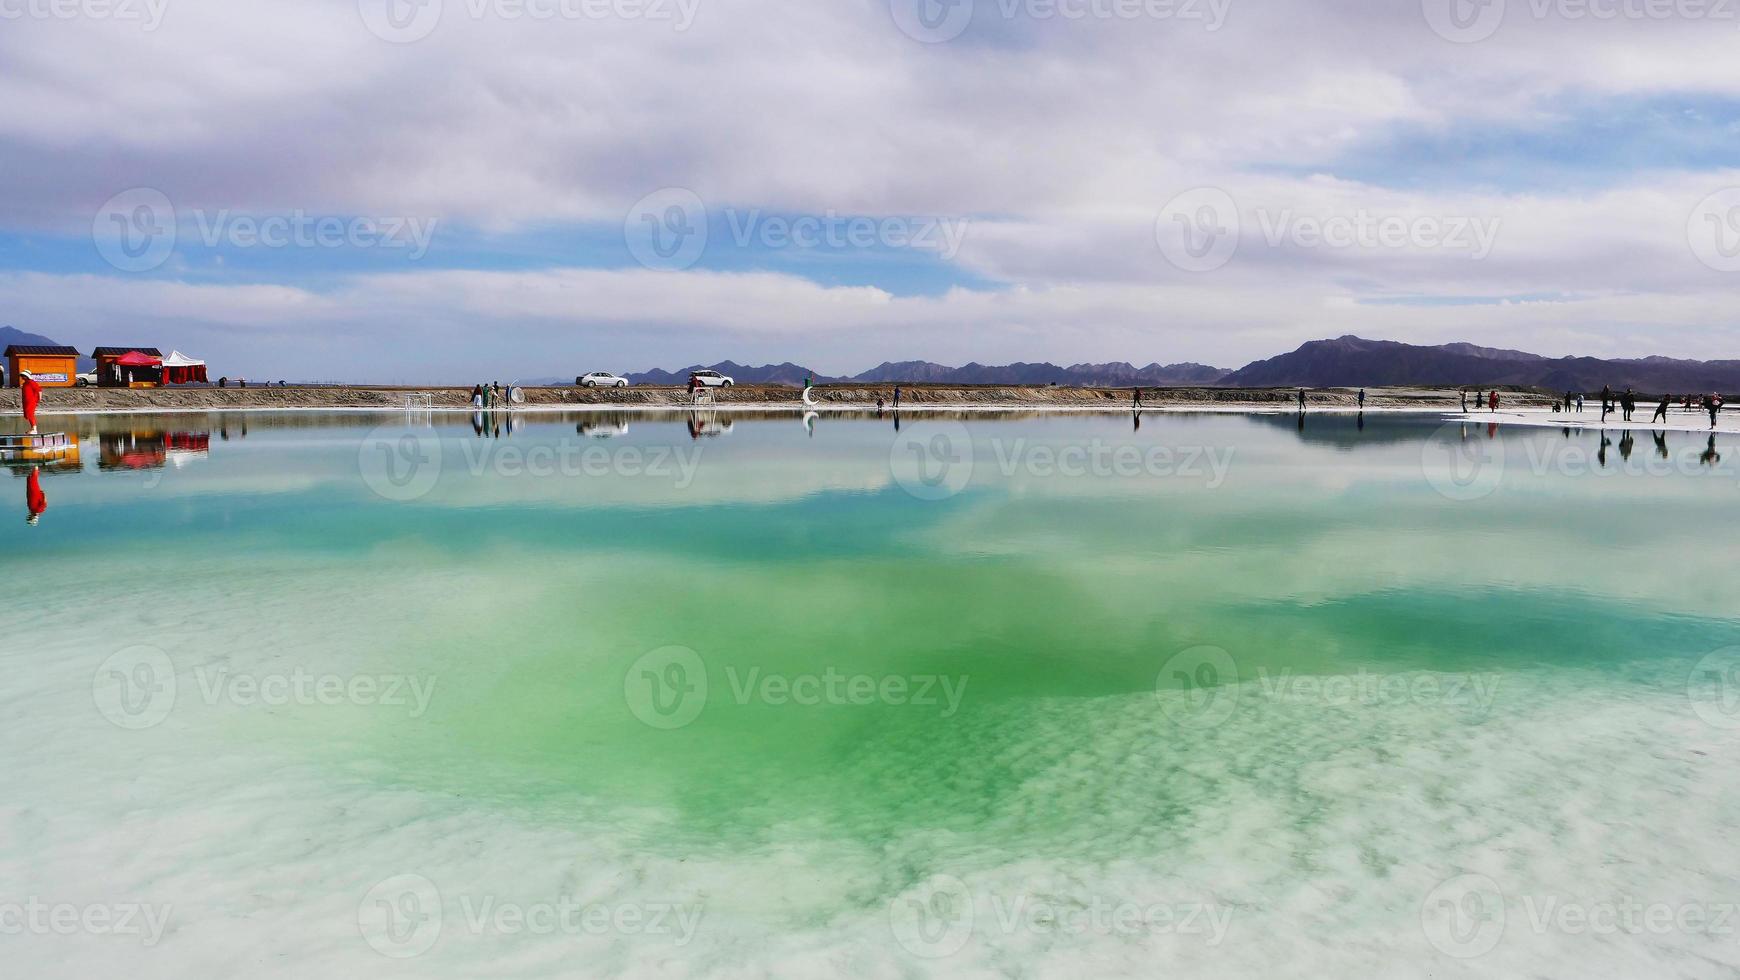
[1059,140]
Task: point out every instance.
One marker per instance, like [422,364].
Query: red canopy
[135,359]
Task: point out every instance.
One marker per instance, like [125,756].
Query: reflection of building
[53,367]
[146,449]
[129,367]
[53,451]
[131,450]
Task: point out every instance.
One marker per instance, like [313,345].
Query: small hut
[129,367]
[52,367]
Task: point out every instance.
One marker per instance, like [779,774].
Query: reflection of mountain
[1341,431]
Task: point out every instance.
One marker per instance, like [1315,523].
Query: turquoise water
[986,695]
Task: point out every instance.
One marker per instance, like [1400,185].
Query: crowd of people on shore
[1624,403]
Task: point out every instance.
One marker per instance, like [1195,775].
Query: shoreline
[749,398]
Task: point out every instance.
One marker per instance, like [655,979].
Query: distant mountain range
[1352,361]
[1345,362]
[926,372]
[13,335]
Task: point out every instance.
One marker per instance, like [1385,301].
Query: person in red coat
[32,397]
[33,498]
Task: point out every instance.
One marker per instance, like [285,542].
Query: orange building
[53,367]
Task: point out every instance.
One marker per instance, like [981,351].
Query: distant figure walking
[897,397]
[1492,402]
[1301,400]
[1362,399]
[1661,408]
[1712,404]
[1464,393]
[477,396]
[1138,398]
[1579,404]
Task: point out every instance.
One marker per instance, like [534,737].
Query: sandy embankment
[763,397]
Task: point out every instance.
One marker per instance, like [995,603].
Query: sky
[449,190]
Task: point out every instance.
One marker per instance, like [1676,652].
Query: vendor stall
[129,367]
[179,369]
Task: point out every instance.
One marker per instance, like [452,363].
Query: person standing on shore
[1301,401]
[32,393]
[1628,403]
[1136,396]
[1661,408]
[1492,401]
[1713,404]
[1464,393]
[1362,399]
[897,398]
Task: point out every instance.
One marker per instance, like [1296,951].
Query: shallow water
[702,695]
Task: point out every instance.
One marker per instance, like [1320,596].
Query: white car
[601,379]
[86,379]
[709,379]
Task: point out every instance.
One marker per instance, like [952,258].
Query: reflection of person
[1625,443]
[33,397]
[34,501]
[1710,457]
[1661,444]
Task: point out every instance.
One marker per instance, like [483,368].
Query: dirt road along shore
[832,395]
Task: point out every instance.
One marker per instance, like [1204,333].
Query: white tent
[179,369]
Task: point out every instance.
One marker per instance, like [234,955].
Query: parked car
[709,379]
[86,379]
[601,379]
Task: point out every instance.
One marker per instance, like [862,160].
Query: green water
[1307,671]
